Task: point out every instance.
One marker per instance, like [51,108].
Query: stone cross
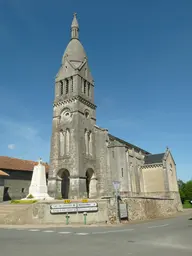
[40,161]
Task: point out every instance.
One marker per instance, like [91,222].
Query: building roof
[10,163]
[128,144]
[154,159]
[74,52]
[2,173]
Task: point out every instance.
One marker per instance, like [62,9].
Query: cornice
[75,98]
[146,166]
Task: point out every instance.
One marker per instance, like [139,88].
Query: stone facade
[85,159]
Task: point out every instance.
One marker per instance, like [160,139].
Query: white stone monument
[38,188]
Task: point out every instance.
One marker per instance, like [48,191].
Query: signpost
[79,205]
[63,206]
[116,185]
[88,209]
[63,210]
[123,211]
[73,207]
[67,201]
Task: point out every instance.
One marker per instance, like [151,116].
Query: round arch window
[86,114]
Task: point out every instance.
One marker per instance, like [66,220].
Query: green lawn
[187,205]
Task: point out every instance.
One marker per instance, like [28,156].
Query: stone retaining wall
[139,208]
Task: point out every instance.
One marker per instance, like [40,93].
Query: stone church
[85,159]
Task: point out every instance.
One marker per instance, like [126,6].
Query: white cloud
[11,146]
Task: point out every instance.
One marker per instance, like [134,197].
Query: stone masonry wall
[151,208]
[138,209]
[17,188]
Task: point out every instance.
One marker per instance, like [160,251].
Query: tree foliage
[185,190]
[188,190]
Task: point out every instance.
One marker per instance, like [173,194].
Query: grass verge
[23,201]
[187,205]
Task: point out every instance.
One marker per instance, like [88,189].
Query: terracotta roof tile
[2,173]
[10,163]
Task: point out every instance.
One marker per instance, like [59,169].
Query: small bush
[23,201]
[59,198]
[30,196]
[187,204]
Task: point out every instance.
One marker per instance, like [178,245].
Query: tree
[182,195]
[182,191]
[188,190]
[180,183]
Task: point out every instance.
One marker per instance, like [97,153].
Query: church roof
[75,51]
[16,164]
[154,159]
[128,144]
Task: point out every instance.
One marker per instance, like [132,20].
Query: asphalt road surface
[163,237]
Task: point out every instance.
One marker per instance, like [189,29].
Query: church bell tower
[72,156]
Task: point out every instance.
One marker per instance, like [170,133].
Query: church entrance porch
[91,183]
[64,183]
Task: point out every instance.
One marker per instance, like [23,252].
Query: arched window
[121,172]
[82,85]
[86,142]
[71,84]
[85,86]
[88,89]
[66,86]
[62,143]
[67,141]
[90,143]
[86,72]
[61,87]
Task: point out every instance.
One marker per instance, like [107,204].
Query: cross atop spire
[74,27]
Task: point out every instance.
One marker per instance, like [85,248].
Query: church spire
[75,28]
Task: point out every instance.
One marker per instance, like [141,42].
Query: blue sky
[140,57]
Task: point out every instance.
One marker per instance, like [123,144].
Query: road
[160,237]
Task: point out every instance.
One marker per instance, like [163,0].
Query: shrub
[23,201]
[187,204]
[30,196]
[59,198]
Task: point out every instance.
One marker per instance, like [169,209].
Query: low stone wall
[39,213]
[151,208]
[139,208]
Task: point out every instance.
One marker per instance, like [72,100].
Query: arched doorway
[91,183]
[64,177]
